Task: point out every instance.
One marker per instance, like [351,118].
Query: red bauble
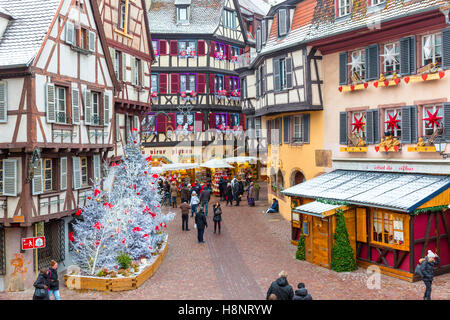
[78,212]
[96,192]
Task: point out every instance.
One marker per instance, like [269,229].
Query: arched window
[280,182]
[297,177]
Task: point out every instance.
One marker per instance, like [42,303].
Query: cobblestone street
[241,262]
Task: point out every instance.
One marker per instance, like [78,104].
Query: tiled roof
[257,6]
[204,18]
[24,35]
[316,208]
[6,12]
[395,191]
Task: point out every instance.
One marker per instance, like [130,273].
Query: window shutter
[174,83]
[163,83]
[212,120]
[408,55]
[201,83]
[264,31]
[50,102]
[372,62]
[201,48]
[228,51]
[136,123]
[63,173]
[124,66]
[38,181]
[446,119]
[91,41]
[133,70]
[161,123]
[199,122]
[75,106]
[289,72]
[212,48]
[10,177]
[263,80]
[3,102]
[412,54]
[268,128]
[306,125]
[173,48]
[212,84]
[343,74]
[286,129]
[106,109]
[282,22]
[70,33]
[409,124]
[257,83]
[343,128]
[76,178]
[242,121]
[369,127]
[276,75]
[87,107]
[97,171]
[162,47]
[227,84]
[446,48]
[117,127]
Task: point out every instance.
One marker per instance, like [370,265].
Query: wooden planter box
[79,282]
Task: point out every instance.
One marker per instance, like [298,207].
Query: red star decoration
[358,124]
[392,122]
[432,119]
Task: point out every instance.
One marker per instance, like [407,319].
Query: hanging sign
[33,243]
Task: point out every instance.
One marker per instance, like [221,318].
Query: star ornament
[433,119]
[392,122]
[358,124]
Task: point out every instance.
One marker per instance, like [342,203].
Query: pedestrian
[184,194]
[301,293]
[217,215]
[173,194]
[167,193]
[274,208]
[229,194]
[194,203]
[236,191]
[281,288]
[53,282]
[251,195]
[205,196]
[184,207]
[427,265]
[41,286]
[201,223]
[189,187]
[222,188]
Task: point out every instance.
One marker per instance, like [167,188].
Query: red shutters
[228,52]
[162,47]
[161,123]
[162,83]
[242,50]
[212,121]
[174,83]
[201,83]
[199,122]
[201,48]
[228,120]
[212,49]
[227,84]
[212,86]
[173,47]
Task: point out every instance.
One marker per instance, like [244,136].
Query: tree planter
[81,282]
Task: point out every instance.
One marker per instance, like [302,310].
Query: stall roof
[318,209]
[179,166]
[241,159]
[215,164]
[395,191]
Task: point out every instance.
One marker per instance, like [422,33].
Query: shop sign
[33,243]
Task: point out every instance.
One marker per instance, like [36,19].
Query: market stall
[180,172]
[219,169]
[244,166]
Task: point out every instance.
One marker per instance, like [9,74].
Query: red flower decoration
[89,198]
[137,229]
[149,158]
[71,238]
[134,129]
[157,228]
[110,205]
[155,176]
[97,243]
[78,212]
[98,226]
[145,236]
[433,119]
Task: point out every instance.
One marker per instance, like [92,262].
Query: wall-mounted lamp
[440,145]
[33,163]
[445,11]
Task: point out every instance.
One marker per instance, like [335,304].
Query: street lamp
[440,145]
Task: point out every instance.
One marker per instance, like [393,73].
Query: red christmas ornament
[145,236]
[157,228]
[149,158]
[135,141]
[340,89]
[432,119]
[397,80]
[71,238]
[137,229]
[377,148]
[145,172]
[97,243]
[124,240]
[407,79]
[89,198]
[358,124]
[98,226]
[441,74]
[392,122]
[138,193]
[96,192]
[366,85]
[424,77]
[78,212]
[134,129]
[155,176]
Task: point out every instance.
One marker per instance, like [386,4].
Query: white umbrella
[215,164]
[241,159]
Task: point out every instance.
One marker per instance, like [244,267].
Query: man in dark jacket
[185,207]
[205,196]
[200,221]
[53,282]
[427,265]
[184,193]
[41,283]
[301,293]
[281,288]
[221,188]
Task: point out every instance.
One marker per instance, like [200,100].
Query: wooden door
[308,237]
[320,242]
[350,223]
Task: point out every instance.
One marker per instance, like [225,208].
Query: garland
[333,202]
[430,209]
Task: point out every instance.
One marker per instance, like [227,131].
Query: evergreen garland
[300,254]
[342,256]
[430,209]
[333,202]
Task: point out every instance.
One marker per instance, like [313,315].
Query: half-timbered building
[56,91]
[127,31]
[282,97]
[194,83]
[386,109]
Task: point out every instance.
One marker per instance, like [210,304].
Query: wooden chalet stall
[392,219]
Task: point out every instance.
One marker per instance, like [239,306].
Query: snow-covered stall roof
[395,191]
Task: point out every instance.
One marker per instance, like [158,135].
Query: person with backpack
[281,288]
[425,269]
[41,286]
[53,282]
[217,216]
[301,293]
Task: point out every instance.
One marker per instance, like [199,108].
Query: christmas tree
[300,254]
[342,256]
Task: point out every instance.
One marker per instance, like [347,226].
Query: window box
[81,50]
[425,77]
[220,56]
[387,149]
[154,94]
[354,149]
[422,149]
[353,87]
[386,83]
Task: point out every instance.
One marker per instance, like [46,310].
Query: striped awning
[318,209]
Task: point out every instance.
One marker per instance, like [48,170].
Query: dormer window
[376,2]
[343,7]
[283,22]
[182,14]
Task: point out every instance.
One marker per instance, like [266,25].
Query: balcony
[244,60]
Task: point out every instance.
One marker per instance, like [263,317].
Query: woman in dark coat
[229,194]
[41,283]
[217,215]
